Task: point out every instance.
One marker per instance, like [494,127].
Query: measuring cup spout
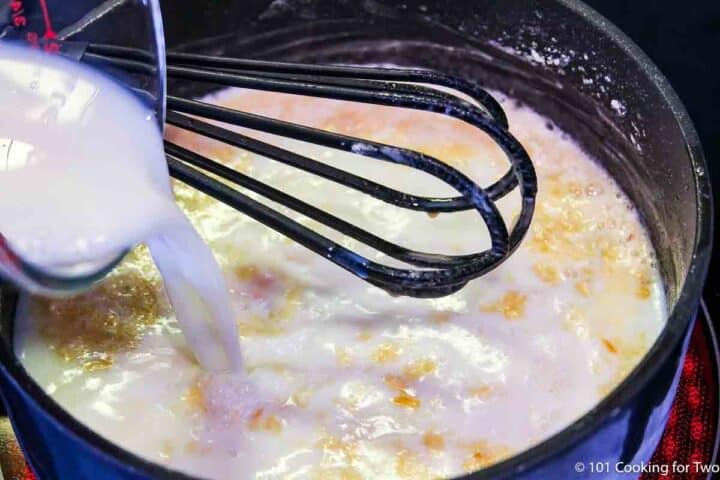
[66,27]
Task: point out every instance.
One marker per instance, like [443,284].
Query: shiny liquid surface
[83,177]
[341,380]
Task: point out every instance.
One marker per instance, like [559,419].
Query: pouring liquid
[83,177]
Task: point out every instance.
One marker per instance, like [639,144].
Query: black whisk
[433,275]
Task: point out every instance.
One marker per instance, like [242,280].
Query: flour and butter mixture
[341,380]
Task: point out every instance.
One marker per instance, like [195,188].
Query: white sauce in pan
[340,380]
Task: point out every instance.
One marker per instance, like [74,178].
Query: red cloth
[691,430]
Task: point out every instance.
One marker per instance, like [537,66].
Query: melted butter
[484,453]
[511,305]
[93,326]
[343,381]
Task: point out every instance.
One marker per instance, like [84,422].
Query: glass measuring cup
[67,27]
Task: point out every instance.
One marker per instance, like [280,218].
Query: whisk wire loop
[437,274]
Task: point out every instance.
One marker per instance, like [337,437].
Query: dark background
[683,39]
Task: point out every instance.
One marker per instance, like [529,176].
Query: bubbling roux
[341,380]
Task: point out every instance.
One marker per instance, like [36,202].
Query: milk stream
[83,176]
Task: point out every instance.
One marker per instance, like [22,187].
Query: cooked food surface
[342,380]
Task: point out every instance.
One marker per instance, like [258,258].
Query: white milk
[341,380]
[84,177]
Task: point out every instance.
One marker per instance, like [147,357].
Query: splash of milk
[83,177]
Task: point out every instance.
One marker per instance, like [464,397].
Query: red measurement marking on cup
[19,20]
[50,35]
[17,13]
[49,32]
